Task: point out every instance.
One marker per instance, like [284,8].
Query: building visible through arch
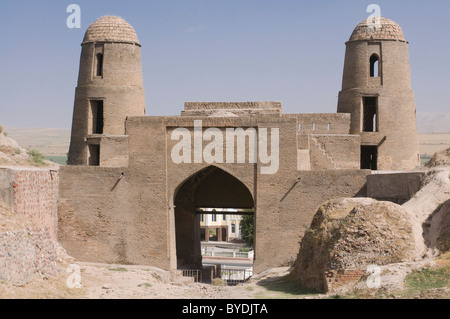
[222,224]
[206,188]
[124,199]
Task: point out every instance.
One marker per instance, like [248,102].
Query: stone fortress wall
[32,193]
[123,199]
[28,223]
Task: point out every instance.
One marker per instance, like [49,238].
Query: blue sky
[212,50]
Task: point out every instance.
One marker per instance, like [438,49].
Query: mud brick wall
[32,192]
[335,151]
[396,187]
[330,123]
[97,222]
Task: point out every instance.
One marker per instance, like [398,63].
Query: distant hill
[432,143]
[433,122]
[434,129]
[53,143]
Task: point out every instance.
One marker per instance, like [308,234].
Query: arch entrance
[208,193]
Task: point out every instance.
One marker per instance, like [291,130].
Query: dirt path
[140,282]
[102,281]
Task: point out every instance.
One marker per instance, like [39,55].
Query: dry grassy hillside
[48,141]
[12,154]
[53,143]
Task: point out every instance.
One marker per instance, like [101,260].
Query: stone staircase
[329,162]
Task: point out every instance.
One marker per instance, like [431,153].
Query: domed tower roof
[386,30]
[111,29]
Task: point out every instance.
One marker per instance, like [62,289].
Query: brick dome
[111,29]
[368,30]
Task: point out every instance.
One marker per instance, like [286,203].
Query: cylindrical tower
[110,88]
[376,91]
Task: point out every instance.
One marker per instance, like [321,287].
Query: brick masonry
[395,134]
[139,206]
[32,195]
[32,192]
[338,278]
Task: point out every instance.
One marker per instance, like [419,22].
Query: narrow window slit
[374,66]
[99,62]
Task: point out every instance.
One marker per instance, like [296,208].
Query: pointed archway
[210,187]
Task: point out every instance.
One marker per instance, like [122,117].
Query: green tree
[247,227]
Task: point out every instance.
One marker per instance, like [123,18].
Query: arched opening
[214,197]
[374,66]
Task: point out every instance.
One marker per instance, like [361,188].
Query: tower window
[369,157]
[99,64]
[370,114]
[94,155]
[97,121]
[374,66]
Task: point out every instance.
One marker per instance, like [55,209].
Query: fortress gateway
[124,199]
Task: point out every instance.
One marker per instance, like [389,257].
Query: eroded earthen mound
[348,235]
[441,158]
[443,240]
[437,229]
